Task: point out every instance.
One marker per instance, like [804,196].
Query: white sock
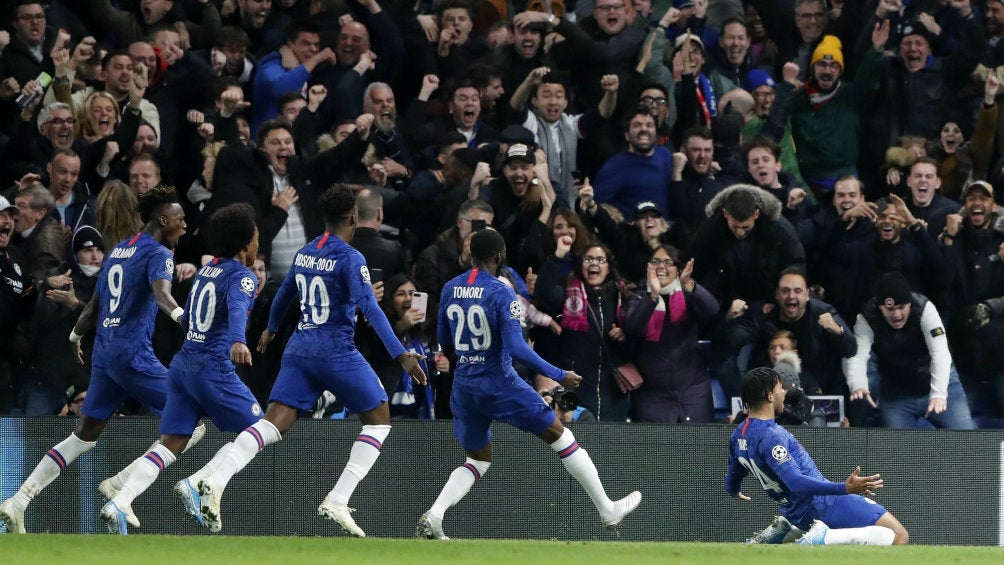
[197,434]
[213,466]
[55,460]
[364,454]
[868,535]
[456,488]
[253,439]
[579,465]
[146,469]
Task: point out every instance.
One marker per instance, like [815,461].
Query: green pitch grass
[46,549]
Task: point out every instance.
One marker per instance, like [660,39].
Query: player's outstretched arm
[410,363]
[856,484]
[166,302]
[264,340]
[84,323]
[572,380]
[240,354]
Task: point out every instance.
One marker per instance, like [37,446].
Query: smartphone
[420,301]
[478,225]
[376,275]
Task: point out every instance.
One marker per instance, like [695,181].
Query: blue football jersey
[769,452]
[127,308]
[475,310]
[331,279]
[217,309]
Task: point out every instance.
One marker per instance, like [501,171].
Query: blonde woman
[117,216]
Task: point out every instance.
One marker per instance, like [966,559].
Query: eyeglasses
[812,16]
[657,262]
[657,101]
[61,121]
[610,8]
[594,260]
[32,17]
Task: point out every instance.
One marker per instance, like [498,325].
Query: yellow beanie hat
[829,48]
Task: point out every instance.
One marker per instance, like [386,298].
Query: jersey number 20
[474,320]
[314,301]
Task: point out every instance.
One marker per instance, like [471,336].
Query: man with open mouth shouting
[974,243]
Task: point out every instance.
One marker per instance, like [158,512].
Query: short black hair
[486,244]
[756,384]
[640,110]
[151,203]
[303,25]
[270,126]
[741,204]
[231,229]
[336,203]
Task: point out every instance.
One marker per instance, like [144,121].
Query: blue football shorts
[852,511]
[111,386]
[475,402]
[302,379]
[206,387]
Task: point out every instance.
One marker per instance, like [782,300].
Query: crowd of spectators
[687,185]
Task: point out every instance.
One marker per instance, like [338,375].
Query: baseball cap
[6,205]
[892,289]
[516,134]
[685,36]
[87,236]
[681,4]
[646,206]
[522,152]
[980,184]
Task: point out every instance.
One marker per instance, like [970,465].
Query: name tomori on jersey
[468,292]
[315,263]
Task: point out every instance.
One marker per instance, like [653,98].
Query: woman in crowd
[664,316]
[592,340]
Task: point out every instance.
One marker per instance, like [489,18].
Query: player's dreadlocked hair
[231,229]
[151,202]
[336,204]
[756,384]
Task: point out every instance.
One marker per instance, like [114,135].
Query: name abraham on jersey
[468,292]
[314,263]
[124,253]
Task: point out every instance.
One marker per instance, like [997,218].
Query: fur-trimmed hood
[769,205]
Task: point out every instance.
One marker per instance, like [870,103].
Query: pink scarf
[574,315]
[677,310]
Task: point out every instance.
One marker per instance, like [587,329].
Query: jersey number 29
[476,321]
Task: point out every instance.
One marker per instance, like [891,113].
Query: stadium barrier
[944,486]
